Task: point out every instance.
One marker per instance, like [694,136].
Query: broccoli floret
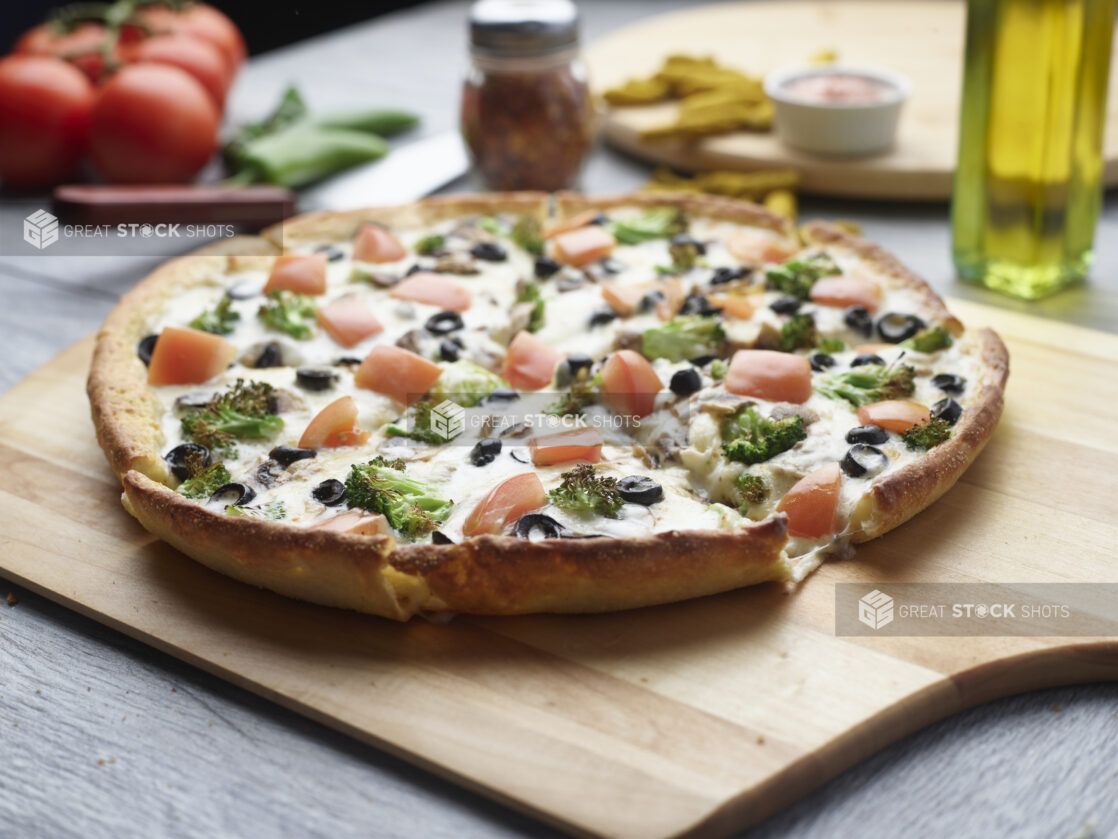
[831,345]
[530,293]
[244,412]
[927,435]
[286,311]
[410,505]
[219,320]
[748,438]
[206,483]
[585,491]
[799,333]
[685,256]
[491,225]
[466,383]
[753,490]
[869,383]
[718,369]
[421,430]
[797,276]
[683,337]
[527,234]
[429,245]
[929,340]
[659,223]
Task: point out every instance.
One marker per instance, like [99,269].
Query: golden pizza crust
[488,574]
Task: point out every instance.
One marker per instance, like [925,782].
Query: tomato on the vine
[199,58]
[198,21]
[83,46]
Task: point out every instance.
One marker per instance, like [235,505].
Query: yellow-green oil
[1028,183]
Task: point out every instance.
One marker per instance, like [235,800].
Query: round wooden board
[923,40]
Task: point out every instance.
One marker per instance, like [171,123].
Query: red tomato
[623,298]
[894,414]
[630,384]
[812,501]
[583,444]
[771,375]
[349,321]
[200,59]
[505,503]
[733,305]
[303,273]
[396,372]
[529,363]
[152,124]
[583,245]
[846,290]
[334,426]
[573,223]
[81,47]
[434,290]
[375,244]
[44,119]
[755,247]
[188,357]
[357,522]
[199,21]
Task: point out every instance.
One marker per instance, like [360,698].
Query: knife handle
[248,206]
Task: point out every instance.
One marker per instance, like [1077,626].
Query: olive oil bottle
[1028,183]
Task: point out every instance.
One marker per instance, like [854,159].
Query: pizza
[518,403]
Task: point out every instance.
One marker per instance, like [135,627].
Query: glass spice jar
[527,115]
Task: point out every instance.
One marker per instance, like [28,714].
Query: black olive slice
[820,361]
[872,434]
[549,527]
[440,538]
[611,266]
[449,350]
[568,371]
[330,492]
[245,290]
[267,472]
[485,451]
[415,269]
[233,495]
[866,358]
[286,455]
[501,394]
[894,327]
[726,275]
[786,305]
[333,252]
[702,360]
[685,239]
[271,355]
[648,302]
[546,267]
[601,218]
[601,317]
[640,489]
[145,348]
[489,252]
[947,409]
[863,461]
[949,383]
[348,361]
[686,381]
[444,323]
[859,319]
[698,304]
[519,457]
[313,378]
[176,458]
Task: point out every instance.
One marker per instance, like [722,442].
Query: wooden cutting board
[922,40]
[693,719]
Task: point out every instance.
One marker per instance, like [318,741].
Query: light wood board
[921,39]
[698,718]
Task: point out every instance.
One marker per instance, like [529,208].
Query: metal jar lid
[523,28]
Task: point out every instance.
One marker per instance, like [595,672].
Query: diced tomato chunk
[755,247]
[894,414]
[846,290]
[734,305]
[505,503]
[873,349]
[397,373]
[573,223]
[529,363]
[185,356]
[434,290]
[812,502]
[357,522]
[303,273]
[583,444]
[630,384]
[349,321]
[768,374]
[623,298]
[584,245]
[334,426]
[375,244]
[668,307]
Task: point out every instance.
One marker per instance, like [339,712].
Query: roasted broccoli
[929,340]
[410,505]
[420,428]
[753,490]
[527,234]
[585,491]
[660,223]
[718,369]
[799,333]
[797,276]
[685,255]
[748,437]
[219,320]
[244,412]
[927,435]
[869,383]
[831,345]
[684,337]
[491,224]
[287,312]
[205,483]
[530,293]
[429,245]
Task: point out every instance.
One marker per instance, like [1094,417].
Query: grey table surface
[101,736]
